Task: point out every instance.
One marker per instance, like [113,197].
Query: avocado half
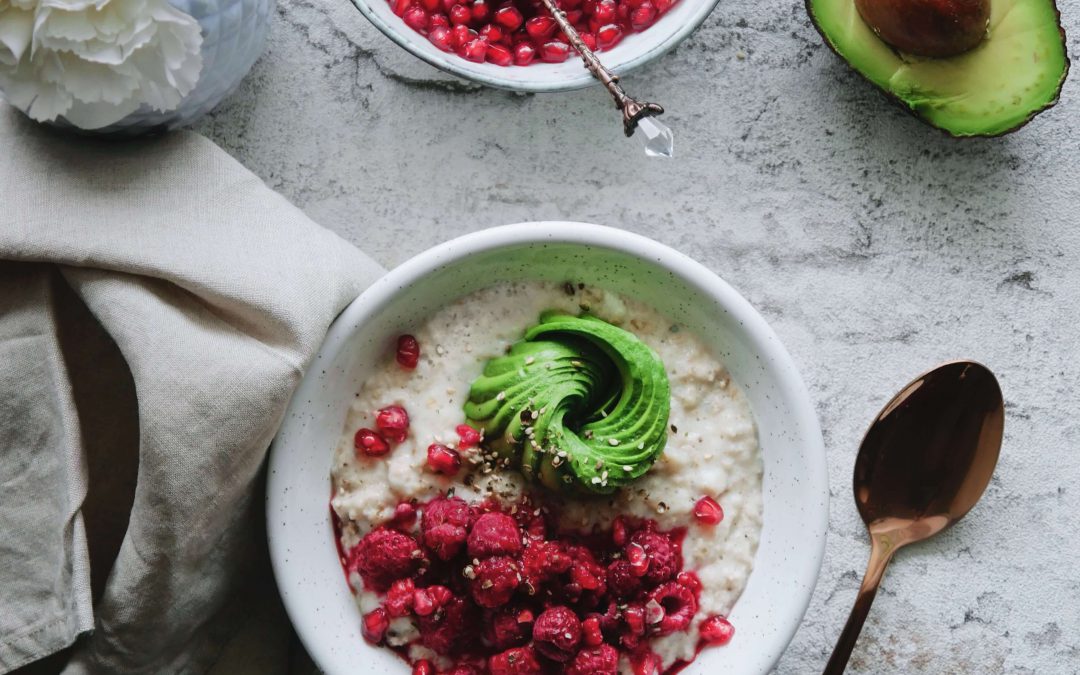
[997,87]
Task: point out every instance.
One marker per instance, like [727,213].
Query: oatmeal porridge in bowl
[548,448]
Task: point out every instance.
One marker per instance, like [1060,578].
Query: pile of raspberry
[503,591]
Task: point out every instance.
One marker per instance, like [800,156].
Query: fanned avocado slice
[578,404]
[1015,73]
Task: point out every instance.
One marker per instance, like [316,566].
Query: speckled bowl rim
[451,63]
[794,592]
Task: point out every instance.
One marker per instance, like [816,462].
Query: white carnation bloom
[96,61]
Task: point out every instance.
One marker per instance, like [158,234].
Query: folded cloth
[215,293]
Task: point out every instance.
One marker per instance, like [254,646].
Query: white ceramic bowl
[634,51]
[796,494]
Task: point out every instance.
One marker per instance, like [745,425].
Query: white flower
[96,61]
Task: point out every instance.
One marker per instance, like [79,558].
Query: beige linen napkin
[207,295]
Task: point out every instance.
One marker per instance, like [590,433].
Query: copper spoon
[634,112]
[923,464]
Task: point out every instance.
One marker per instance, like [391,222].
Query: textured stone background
[874,245]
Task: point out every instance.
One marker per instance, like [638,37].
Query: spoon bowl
[924,463]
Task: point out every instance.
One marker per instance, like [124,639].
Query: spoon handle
[881,552]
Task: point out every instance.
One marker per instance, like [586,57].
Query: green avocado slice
[578,404]
[1013,75]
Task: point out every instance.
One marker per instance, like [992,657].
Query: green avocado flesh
[1015,73]
[578,404]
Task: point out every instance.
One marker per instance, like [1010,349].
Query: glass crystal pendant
[656,136]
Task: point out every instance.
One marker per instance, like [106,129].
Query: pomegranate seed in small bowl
[625,33]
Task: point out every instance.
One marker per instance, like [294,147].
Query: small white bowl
[796,494]
[634,51]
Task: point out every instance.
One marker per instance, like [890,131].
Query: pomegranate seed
[540,28]
[470,437]
[589,39]
[554,52]
[440,458]
[448,5]
[374,625]
[663,6]
[717,630]
[393,421]
[370,443]
[440,37]
[499,55]
[638,559]
[605,11]
[575,16]
[509,17]
[461,35]
[524,53]
[439,19]
[643,16]
[404,515]
[590,629]
[589,7]
[492,33]
[475,51]
[431,5]
[460,15]
[608,36]
[569,4]
[480,11]
[618,532]
[423,667]
[399,6]
[708,512]
[408,351]
[622,14]
[423,603]
[691,581]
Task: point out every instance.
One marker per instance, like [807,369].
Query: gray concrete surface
[874,245]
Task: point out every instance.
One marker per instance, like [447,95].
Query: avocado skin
[897,100]
[578,405]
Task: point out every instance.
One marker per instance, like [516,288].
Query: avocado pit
[934,28]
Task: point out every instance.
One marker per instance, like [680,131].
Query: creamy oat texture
[712,450]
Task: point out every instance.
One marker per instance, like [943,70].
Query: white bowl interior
[635,49]
[795,485]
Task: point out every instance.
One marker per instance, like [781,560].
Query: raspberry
[508,627]
[444,526]
[470,438]
[598,660]
[586,573]
[664,557]
[374,626]
[679,607]
[591,633]
[399,599]
[556,633]
[383,556]
[494,534]
[495,580]
[691,581]
[447,631]
[717,630]
[542,560]
[516,661]
[393,422]
[623,584]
